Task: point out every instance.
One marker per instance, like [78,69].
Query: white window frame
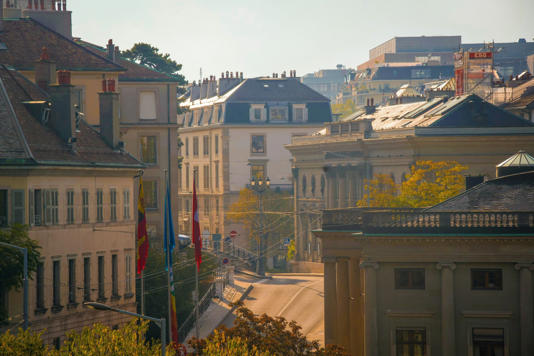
[304,112]
[279,107]
[146,113]
[263,116]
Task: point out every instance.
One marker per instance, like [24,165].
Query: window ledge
[72,306]
[57,308]
[128,295]
[40,311]
[115,297]
[101,299]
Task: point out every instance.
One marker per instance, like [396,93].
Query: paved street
[294,297]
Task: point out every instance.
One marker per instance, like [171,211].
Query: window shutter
[31,208]
[46,207]
[17,207]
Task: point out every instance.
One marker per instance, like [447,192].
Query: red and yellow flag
[142,237]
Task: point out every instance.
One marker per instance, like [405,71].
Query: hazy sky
[259,37]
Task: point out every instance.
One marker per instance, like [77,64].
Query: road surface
[294,297]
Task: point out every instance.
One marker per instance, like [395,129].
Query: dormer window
[300,113]
[257,113]
[278,114]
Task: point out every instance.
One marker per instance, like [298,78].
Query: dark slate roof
[509,193]
[134,72]
[25,140]
[24,39]
[257,90]
[413,72]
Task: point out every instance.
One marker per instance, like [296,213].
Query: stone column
[370,316]
[330,300]
[330,181]
[447,309]
[526,308]
[342,188]
[356,308]
[342,283]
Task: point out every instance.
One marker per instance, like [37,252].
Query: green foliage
[262,335]
[222,345]
[278,218]
[291,250]
[148,55]
[22,343]
[345,109]
[12,261]
[427,184]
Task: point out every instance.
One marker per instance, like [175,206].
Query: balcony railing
[418,221]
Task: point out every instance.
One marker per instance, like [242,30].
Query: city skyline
[259,38]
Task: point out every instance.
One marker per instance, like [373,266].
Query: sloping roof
[256,90]
[134,72]
[520,159]
[526,100]
[460,111]
[509,193]
[25,140]
[24,39]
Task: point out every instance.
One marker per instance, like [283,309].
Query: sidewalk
[220,309]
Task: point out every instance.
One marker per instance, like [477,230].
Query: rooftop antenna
[200,79]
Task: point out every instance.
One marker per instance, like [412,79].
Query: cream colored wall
[62,242]
[91,82]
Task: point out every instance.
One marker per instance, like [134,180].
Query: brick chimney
[212,87]
[45,70]
[63,115]
[109,114]
[370,107]
[111,50]
[204,88]
[195,91]
[228,81]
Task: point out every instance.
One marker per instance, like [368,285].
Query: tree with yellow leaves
[427,184]
[345,109]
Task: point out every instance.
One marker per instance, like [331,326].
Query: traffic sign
[225,260]
[287,241]
[216,237]
[233,233]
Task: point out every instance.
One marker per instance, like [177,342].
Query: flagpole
[142,292]
[196,303]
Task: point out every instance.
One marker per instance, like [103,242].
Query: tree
[263,335]
[12,261]
[222,345]
[427,184]
[148,55]
[277,217]
[345,109]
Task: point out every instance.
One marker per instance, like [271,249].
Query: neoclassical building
[330,167]
[452,280]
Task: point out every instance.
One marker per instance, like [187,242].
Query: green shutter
[31,209]
[17,207]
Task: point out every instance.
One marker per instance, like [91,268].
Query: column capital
[519,266]
[442,265]
[331,259]
[369,264]
[342,258]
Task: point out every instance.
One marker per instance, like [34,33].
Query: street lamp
[260,185]
[25,253]
[160,322]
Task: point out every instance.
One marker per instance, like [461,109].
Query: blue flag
[168,233]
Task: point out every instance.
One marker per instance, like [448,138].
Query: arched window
[304,185]
[323,183]
[313,185]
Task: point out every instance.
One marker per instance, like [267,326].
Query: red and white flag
[196,228]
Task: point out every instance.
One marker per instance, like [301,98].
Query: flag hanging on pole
[142,237]
[196,228]
[168,246]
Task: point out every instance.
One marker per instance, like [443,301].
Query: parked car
[183,241]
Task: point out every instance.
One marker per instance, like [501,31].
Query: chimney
[212,87]
[117,53]
[370,108]
[204,89]
[471,181]
[58,19]
[63,115]
[45,70]
[111,50]
[109,115]
[195,91]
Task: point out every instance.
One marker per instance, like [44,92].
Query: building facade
[330,168]
[455,279]
[236,129]
[73,187]
[328,82]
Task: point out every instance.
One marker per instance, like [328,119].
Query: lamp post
[260,185]
[25,253]
[160,322]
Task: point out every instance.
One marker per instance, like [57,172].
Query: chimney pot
[231,74]
[227,74]
[111,85]
[104,85]
[44,54]
[241,75]
[222,75]
[63,77]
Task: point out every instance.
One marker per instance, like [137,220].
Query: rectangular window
[56,282]
[149,152]
[187,206]
[151,194]
[216,144]
[206,145]
[278,113]
[147,105]
[411,342]
[187,177]
[206,206]
[257,144]
[99,205]
[128,274]
[195,146]
[488,341]
[486,279]
[114,276]
[187,146]
[39,283]
[85,206]
[72,281]
[17,207]
[216,174]
[51,207]
[257,114]
[70,207]
[113,204]
[409,278]
[257,170]
[87,278]
[36,207]
[101,280]
[126,204]
[206,177]
[299,115]
[3,208]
